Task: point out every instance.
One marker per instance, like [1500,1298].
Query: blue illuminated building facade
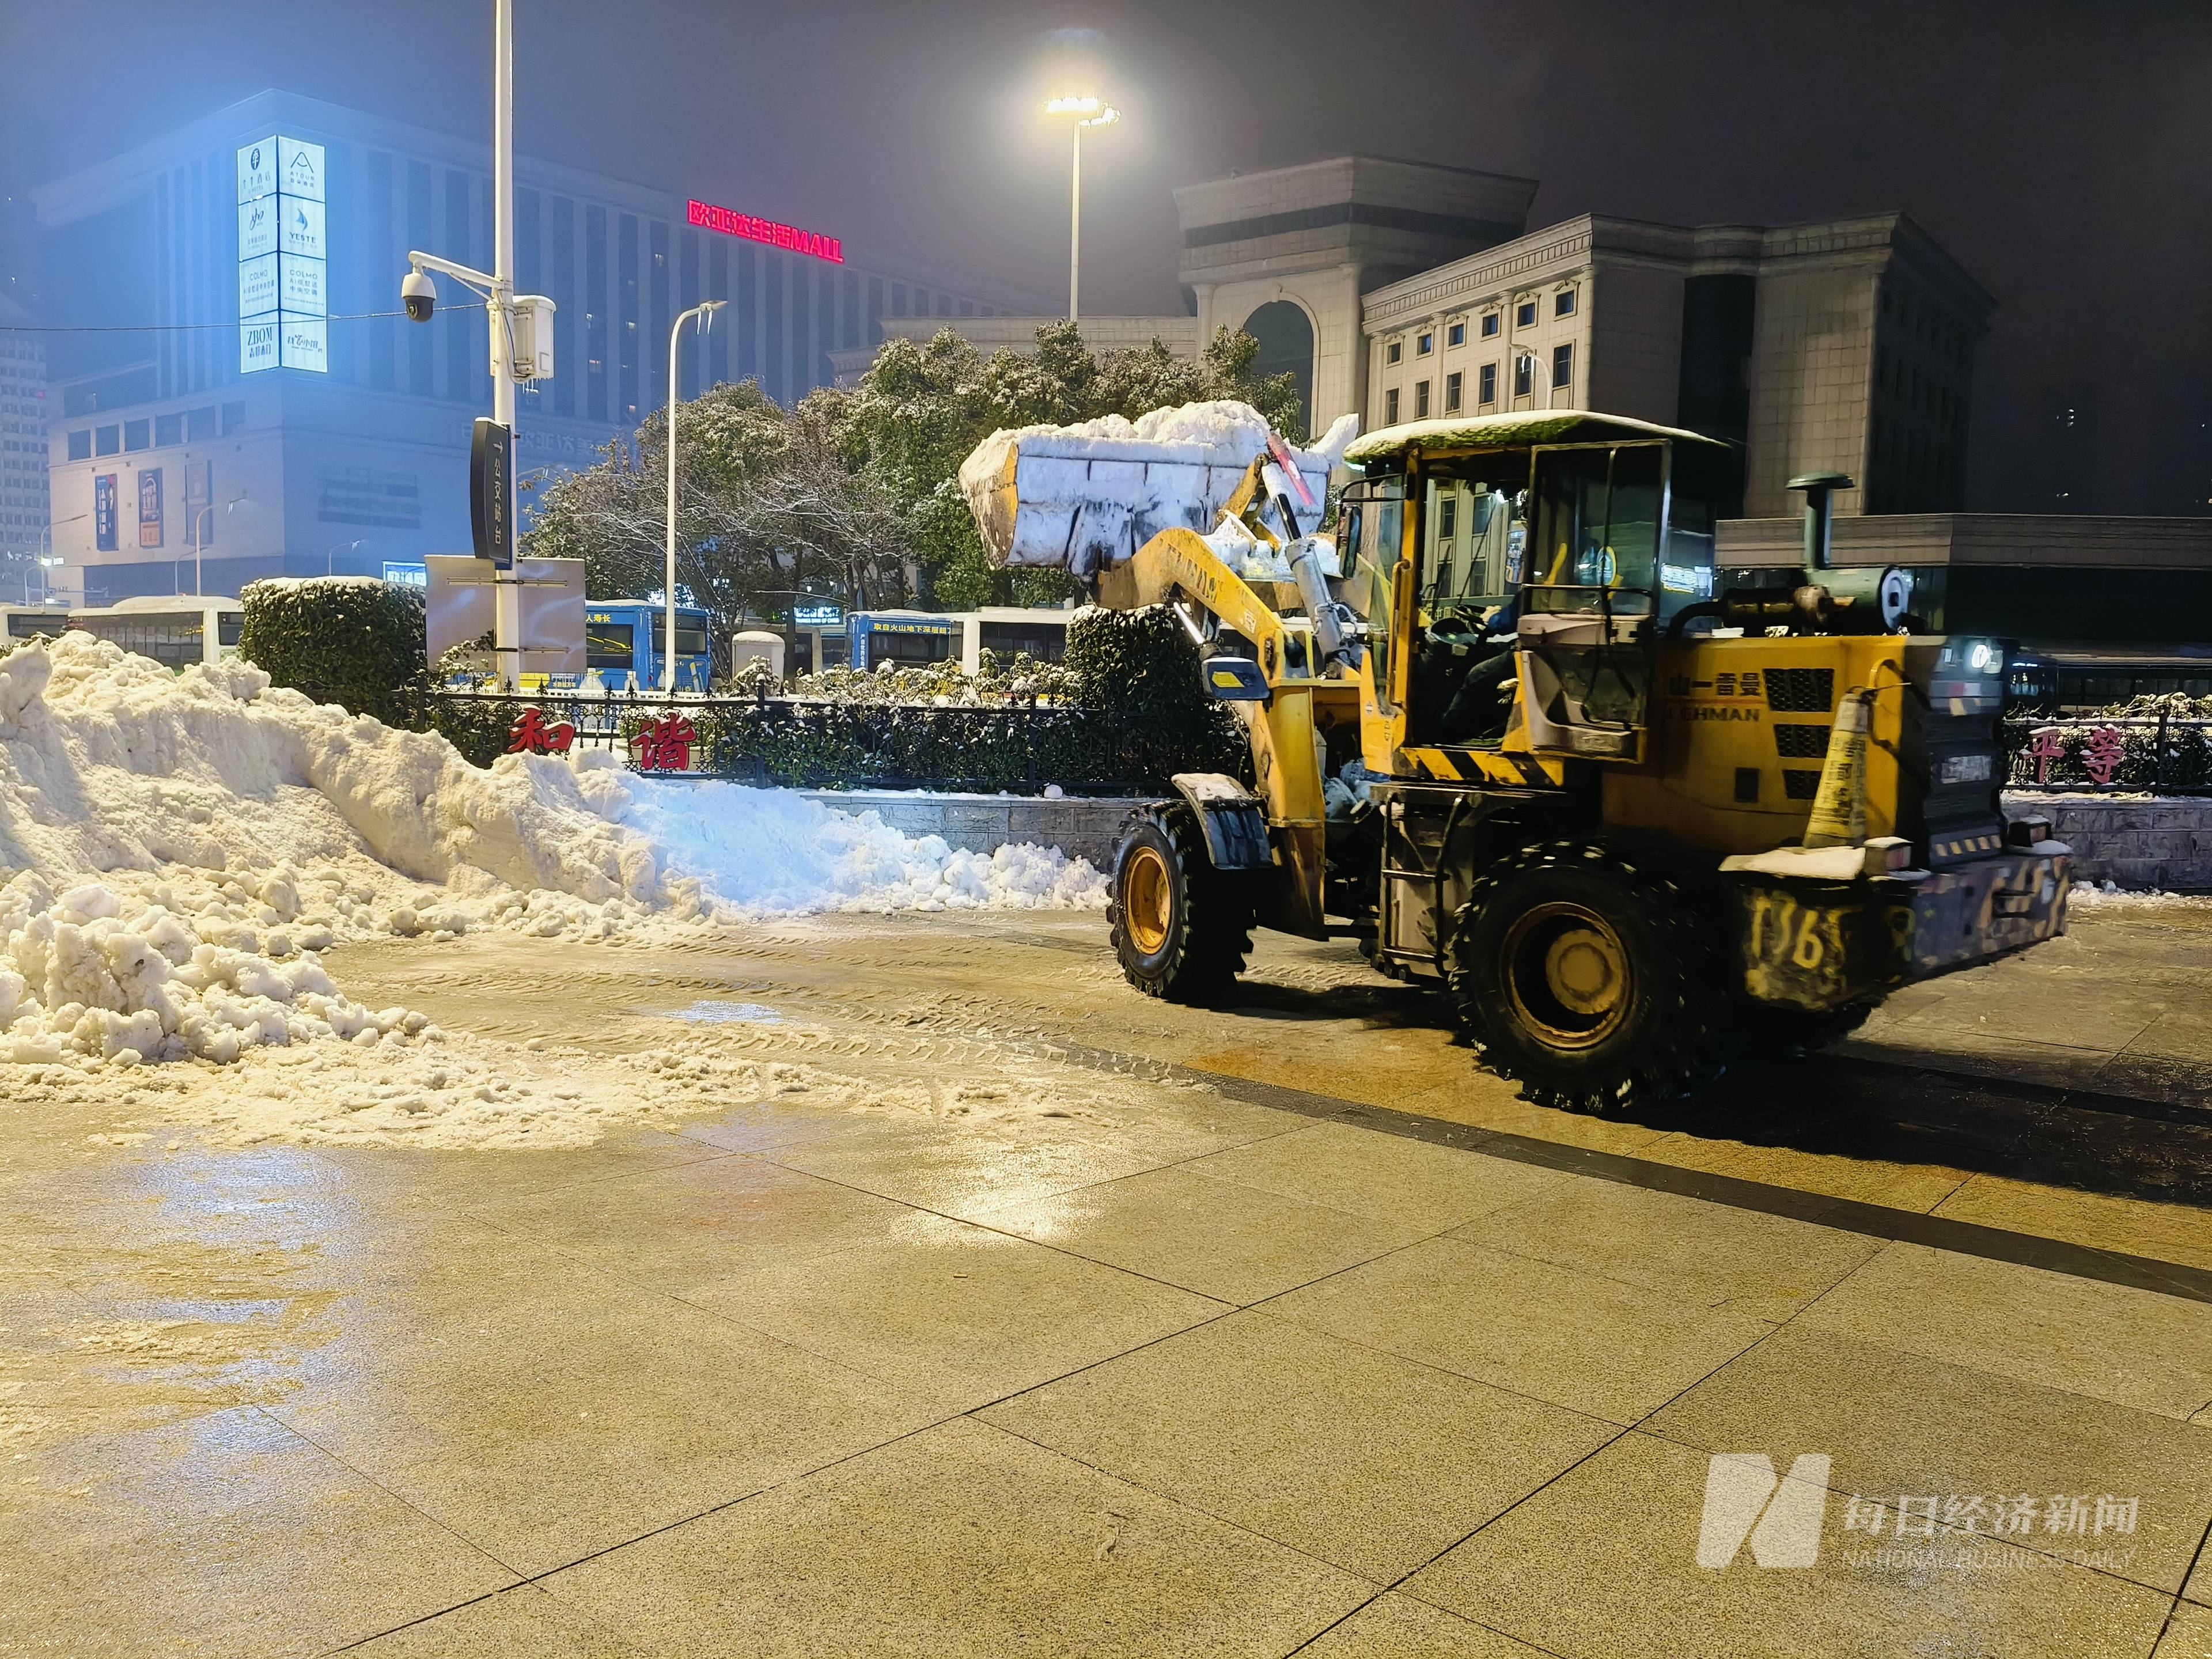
[306,433]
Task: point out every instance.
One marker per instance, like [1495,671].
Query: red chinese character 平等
[2100,752]
[665,746]
[532,735]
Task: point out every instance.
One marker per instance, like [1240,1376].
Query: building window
[138,435]
[1563,303]
[168,429]
[1486,385]
[1490,326]
[1563,365]
[1523,376]
[1425,343]
[1448,518]
[1455,335]
[233,418]
[80,445]
[1452,384]
[1390,407]
[1421,400]
[1524,314]
[111,440]
[199,423]
[1393,351]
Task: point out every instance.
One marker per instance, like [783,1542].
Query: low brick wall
[1081,828]
[2134,840]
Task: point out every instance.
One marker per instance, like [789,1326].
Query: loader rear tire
[1181,928]
[1584,976]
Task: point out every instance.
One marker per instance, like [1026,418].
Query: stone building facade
[1845,346]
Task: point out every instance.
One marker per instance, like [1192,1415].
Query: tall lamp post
[331,555]
[199,540]
[705,312]
[1086,112]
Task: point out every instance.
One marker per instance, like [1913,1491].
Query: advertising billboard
[301,165]
[257,285]
[256,228]
[149,508]
[257,170]
[303,294]
[104,510]
[282,277]
[303,343]
[299,234]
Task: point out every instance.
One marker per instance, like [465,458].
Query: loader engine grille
[1801,690]
[1801,741]
[1799,785]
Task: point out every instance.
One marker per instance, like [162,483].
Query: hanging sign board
[491,492]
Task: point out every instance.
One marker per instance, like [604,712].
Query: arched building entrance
[1285,335]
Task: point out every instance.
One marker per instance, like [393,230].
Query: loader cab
[1511,559]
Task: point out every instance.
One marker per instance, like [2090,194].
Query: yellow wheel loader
[1506,732]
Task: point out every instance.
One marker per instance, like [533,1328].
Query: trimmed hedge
[351,640]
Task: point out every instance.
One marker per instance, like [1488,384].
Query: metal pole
[668,586]
[1075,228]
[704,311]
[507,603]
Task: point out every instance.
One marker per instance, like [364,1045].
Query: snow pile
[175,848]
[1085,497]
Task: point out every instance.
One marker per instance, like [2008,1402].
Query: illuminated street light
[705,312]
[1087,113]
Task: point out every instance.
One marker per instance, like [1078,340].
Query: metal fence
[2156,754]
[1018,747]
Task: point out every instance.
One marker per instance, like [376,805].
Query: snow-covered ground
[176,850]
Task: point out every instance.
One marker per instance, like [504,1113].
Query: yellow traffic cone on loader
[1838,817]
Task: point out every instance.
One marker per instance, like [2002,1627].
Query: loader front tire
[1181,928]
[1583,974]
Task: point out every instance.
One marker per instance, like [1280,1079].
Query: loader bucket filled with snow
[1085,498]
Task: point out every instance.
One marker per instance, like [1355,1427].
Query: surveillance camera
[420,296]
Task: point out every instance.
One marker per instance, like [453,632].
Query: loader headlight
[1981,656]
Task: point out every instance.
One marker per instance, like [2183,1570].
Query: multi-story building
[1842,347]
[279,418]
[23,511]
[1285,256]
[1401,291]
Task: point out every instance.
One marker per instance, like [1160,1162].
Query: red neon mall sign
[731,223]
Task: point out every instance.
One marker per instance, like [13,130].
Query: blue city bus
[913,639]
[623,637]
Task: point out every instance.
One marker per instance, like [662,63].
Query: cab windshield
[1598,514]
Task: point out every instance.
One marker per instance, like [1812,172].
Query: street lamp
[1086,112]
[1523,355]
[47,560]
[331,555]
[199,540]
[705,312]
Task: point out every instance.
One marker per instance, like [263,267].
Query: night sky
[2062,153]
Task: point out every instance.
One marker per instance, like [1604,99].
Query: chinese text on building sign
[732,223]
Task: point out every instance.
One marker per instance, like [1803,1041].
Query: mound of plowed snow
[174,849]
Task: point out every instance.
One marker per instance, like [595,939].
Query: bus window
[610,645]
[690,638]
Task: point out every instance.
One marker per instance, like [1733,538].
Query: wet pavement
[1100,1326]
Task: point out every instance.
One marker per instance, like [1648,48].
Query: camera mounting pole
[497,286]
